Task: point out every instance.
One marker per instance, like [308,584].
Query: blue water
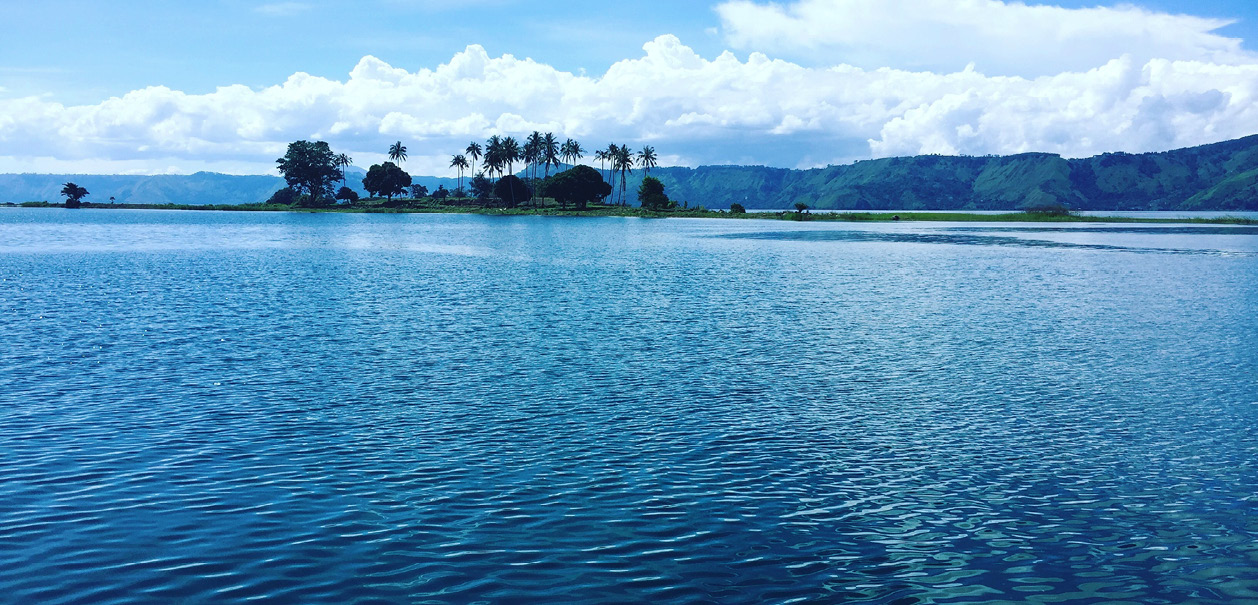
[214,407]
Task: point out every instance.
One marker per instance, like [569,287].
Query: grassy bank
[432,207]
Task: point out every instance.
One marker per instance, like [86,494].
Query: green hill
[1212,177]
[1222,176]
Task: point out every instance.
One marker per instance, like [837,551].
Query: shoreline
[637,212]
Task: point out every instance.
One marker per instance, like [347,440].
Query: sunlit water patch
[352,409]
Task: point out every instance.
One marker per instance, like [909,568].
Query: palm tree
[571,152]
[647,158]
[533,151]
[613,152]
[459,162]
[550,152]
[510,153]
[397,152]
[343,161]
[624,161]
[493,155]
[473,151]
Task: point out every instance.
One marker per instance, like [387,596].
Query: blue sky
[130,86]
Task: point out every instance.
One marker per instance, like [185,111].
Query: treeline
[312,171]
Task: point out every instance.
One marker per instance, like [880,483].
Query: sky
[153,86]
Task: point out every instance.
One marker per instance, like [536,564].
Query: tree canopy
[651,195]
[580,186]
[310,168]
[512,190]
[347,195]
[386,180]
[74,195]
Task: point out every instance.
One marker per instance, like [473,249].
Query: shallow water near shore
[336,408]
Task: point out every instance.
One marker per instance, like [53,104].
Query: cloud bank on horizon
[848,79]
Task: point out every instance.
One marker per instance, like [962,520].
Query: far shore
[632,211]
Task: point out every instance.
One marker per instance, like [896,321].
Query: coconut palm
[613,152]
[493,155]
[533,152]
[550,152]
[647,158]
[510,153]
[343,161]
[473,151]
[397,152]
[571,152]
[624,161]
[460,163]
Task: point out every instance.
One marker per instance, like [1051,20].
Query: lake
[337,408]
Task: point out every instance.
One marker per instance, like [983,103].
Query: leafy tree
[283,197]
[800,207]
[580,185]
[737,208]
[651,195]
[347,195]
[441,193]
[480,186]
[309,168]
[419,191]
[74,195]
[511,190]
[397,152]
[386,180]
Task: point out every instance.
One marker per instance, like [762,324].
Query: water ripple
[457,409]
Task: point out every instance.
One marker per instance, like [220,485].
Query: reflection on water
[397,409]
[971,236]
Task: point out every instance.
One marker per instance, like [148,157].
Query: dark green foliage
[737,208]
[580,186]
[512,191]
[74,195]
[651,195]
[481,187]
[800,207]
[285,197]
[310,168]
[441,193]
[386,180]
[419,191]
[347,195]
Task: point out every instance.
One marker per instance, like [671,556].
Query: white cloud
[695,110]
[1006,38]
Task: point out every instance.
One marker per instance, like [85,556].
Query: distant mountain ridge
[1222,176]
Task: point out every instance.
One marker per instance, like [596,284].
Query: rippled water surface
[214,407]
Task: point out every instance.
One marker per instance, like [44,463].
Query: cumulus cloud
[1005,38]
[695,110]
